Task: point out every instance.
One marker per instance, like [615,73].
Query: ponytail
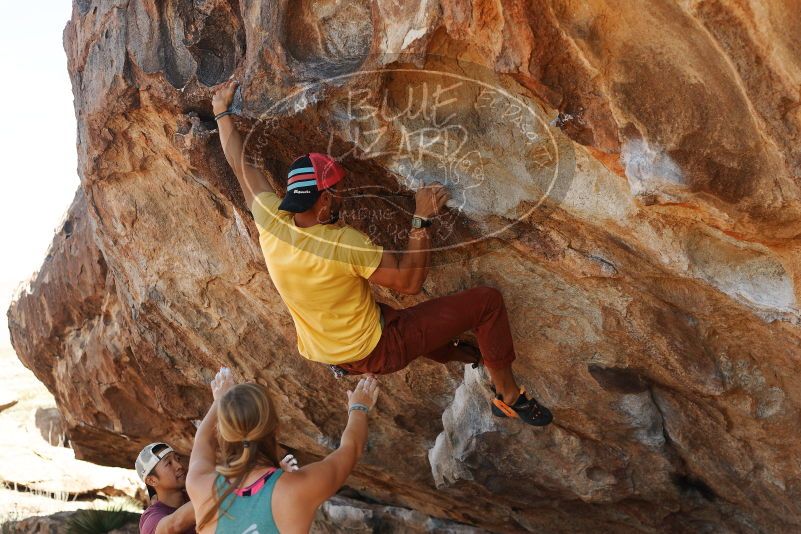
[238,466]
[246,433]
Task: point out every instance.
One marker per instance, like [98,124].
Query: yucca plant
[99,521]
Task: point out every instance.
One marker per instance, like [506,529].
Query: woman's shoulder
[287,482]
[290,509]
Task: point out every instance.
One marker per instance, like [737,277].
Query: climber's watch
[419,222]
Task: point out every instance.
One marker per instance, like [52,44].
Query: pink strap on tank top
[256,486]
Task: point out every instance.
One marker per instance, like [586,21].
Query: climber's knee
[490,295]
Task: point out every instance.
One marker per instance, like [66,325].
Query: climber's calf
[428,330]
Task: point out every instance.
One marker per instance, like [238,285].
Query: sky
[38,176]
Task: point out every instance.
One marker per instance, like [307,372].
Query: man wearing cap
[161,470]
[322,271]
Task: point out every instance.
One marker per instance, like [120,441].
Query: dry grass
[49,477]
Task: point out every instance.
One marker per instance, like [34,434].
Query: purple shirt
[155,513]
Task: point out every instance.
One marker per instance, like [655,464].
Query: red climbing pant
[428,330]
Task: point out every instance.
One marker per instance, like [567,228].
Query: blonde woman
[248,493]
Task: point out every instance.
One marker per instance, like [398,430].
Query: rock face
[346,515]
[337,515]
[52,427]
[59,524]
[628,175]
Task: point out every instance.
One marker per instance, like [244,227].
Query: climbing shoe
[525,409]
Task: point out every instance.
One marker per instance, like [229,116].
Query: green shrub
[99,521]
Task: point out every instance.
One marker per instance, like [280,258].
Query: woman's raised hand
[222,382]
[366,392]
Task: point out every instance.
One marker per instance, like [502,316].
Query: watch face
[417,222]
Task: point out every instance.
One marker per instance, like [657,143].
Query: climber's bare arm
[405,273]
[298,494]
[180,520]
[202,461]
[251,179]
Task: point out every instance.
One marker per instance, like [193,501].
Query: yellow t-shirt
[321,273]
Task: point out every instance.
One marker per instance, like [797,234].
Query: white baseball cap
[147,459]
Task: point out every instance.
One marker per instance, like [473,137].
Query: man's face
[169,474]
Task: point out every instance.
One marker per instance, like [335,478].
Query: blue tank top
[250,510]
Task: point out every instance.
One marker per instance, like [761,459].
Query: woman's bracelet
[357,406]
[223,114]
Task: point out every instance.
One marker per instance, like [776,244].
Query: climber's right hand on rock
[223,96]
[429,200]
[222,382]
[366,392]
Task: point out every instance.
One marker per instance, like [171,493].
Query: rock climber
[322,272]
